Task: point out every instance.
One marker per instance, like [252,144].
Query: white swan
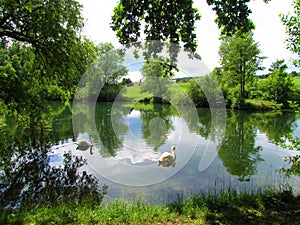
[167,159]
[84,145]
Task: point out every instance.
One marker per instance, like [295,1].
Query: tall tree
[239,61]
[40,46]
[103,75]
[110,59]
[155,71]
[51,27]
[292,23]
[48,33]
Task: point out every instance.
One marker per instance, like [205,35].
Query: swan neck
[173,153]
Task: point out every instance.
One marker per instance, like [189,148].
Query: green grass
[225,207]
[260,104]
[139,105]
[184,86]
[133,93]
[297,81]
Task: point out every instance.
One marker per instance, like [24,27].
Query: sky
[269,32]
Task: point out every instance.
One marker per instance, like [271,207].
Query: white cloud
[208,35]
[98,18]
[270,32]
[135,76]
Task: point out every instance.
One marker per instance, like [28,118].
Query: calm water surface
[242,152]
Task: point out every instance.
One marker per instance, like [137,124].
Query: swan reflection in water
[133,157]
[167,159]
[84,145]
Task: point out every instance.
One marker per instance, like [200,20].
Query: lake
[240,151]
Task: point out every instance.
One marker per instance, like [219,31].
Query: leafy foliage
[51,27]
[232,16]
[42,56]
[101,79]
[109,60]
[155,82]
[279,86]
[196,93]
[28,179]
[239,62]
[42,39]
[164,20]
[205,90]
[175,20]
[292,24]
[17,71]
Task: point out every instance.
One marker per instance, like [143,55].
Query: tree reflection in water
[27,177]
[27,173]
[238,151]
[156,124]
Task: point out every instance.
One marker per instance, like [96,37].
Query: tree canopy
[51,27]
[155,73]
[239,61]
[174,21]
[42,49]
[164,20]
[292,23]
[279,85]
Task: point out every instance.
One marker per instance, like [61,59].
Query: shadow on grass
[230,207]
[225,207]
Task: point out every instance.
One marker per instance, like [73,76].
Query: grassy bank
[227,207]
[134,93]
[259,104]
[297,81]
